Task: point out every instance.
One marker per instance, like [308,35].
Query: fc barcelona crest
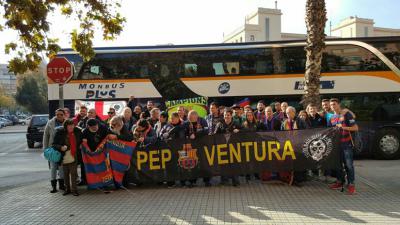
[188,157]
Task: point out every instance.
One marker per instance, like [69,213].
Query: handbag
[52,155]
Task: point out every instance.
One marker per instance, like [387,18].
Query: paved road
[382,173]
[18,164]
[377,201]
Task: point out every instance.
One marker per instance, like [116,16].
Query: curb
[13,132]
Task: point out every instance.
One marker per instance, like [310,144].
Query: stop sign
[60,70]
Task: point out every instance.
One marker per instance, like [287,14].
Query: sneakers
[351,189]
[336,186]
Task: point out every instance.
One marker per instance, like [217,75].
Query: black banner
[236,154]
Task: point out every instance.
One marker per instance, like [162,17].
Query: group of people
[146,126]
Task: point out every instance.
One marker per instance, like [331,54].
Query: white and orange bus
[362,72]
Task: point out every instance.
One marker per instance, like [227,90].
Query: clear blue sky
[386,13]
[152,22]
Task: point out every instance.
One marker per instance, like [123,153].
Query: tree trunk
[315,22]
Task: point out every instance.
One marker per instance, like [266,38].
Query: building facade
[261,25]
[8,81]
[265,25]
[361,27]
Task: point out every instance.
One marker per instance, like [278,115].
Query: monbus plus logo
[317,147]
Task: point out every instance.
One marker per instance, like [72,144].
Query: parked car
[6,121]
[11,118]
[23,120]
[36,129]
[2,124]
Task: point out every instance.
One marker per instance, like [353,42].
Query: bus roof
[169,47]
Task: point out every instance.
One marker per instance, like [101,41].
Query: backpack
[52,155]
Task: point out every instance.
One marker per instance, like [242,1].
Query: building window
[252,38]
[241,39]
[267,29]
[366,31]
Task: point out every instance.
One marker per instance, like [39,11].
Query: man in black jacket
[94,133]
[228,126]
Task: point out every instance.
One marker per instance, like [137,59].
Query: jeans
[70,175]
[347,159]
[53,171]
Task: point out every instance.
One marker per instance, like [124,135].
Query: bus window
[226,68]
[350,58]
[191,69]
[294,60]
[391,50]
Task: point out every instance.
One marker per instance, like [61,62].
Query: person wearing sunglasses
[111,114]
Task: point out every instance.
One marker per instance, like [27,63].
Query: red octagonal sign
[60,70]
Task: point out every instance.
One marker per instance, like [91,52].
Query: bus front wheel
[387,145]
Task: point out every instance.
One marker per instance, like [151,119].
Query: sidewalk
[14,129]
[253,203]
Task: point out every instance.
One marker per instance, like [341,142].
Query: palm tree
[315,22]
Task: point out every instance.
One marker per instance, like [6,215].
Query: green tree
[315,22]
[5,100]
[32,92]
[30,19]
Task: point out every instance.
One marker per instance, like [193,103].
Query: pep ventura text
[221,154]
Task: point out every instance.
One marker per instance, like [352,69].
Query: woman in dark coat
[67,140]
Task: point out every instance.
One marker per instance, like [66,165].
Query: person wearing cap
[162,127]
[94,133]
[238,114]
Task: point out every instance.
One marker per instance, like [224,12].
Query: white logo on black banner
[317,147]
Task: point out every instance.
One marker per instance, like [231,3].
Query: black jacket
[162,130]
[315,122]
[61,139]
[271,125]
[251,127]
[129,124]
[212,123]
[149,138]
[95,138]
[177,131]
[124,134]
[223,128]
[82,123]
[198,128]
